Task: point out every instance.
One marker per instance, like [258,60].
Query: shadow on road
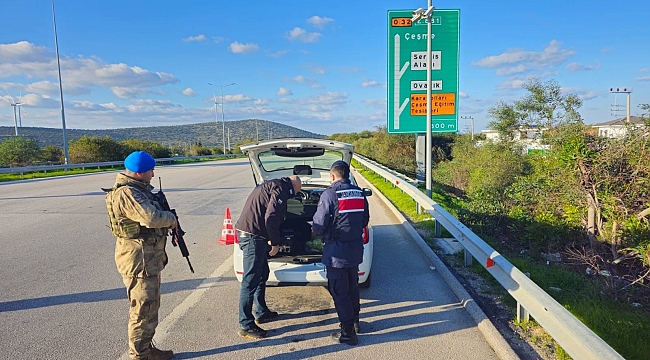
[100,295]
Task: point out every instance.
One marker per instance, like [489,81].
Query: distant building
[618,127]
[528,137]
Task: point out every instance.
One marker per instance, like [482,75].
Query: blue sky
[320,66]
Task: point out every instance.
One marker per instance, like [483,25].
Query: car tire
[366,284]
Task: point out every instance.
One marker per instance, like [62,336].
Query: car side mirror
[367,192]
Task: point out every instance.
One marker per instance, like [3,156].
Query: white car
[299,259]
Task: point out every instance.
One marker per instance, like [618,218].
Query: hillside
[208,134]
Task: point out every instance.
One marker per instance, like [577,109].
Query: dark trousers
[343,285]
[253,284]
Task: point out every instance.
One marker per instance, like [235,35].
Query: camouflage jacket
[140,226]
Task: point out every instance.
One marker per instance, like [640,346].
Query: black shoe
[254,332]
[346,336]
[269,316]
[357,327]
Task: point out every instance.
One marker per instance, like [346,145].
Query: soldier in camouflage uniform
[141,228]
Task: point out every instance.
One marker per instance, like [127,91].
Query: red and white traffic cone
[228,236]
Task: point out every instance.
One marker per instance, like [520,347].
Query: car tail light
[366,236]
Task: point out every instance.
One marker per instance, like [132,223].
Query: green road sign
[407,75]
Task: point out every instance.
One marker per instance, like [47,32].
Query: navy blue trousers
[253,284]
[343,285]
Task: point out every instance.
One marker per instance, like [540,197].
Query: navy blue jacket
[265,208]
[341,215]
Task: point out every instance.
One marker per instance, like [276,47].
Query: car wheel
[366,284]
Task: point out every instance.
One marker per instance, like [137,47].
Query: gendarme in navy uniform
[341,215]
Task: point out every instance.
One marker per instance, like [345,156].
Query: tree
[543,106]
[19,151]
[90,149]
[156,150]
[52,154]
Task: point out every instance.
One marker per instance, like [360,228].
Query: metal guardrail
[45,168]
[576,338]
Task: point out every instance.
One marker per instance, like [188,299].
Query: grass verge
[45,173]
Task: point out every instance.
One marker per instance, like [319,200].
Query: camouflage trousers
[144,300]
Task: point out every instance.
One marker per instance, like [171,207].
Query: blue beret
[340,163]
[139,162]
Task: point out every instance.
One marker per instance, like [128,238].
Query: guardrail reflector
[489,263]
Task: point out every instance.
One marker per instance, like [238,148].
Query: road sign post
[407,75]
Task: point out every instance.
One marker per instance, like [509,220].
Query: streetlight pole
[223,119]
[58,64]
[216,114]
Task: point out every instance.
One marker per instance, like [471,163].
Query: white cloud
[644,70]
[607,50]
[285,100]
[131,92]
[511,70]
[237,98]
[588,95]
[512,84]
[278,54]
[326,101]
[127,92]
[197,38]
[463,95]
[239,48]
[24,51]
[261,102]
[317,86]
[643,78]
[218,39]
[189,92]
[284,92]
[576,66]
[584,94]
[301,80]
[300,34]
[319,22]
[372,83]
[151,102]
[552,55]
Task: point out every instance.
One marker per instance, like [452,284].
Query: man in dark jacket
[257,227]
[341,215]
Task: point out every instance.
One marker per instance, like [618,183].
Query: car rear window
[272,161]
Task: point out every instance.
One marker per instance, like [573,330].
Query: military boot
[346,335]
[156,354]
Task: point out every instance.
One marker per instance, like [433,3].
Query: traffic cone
[228,236]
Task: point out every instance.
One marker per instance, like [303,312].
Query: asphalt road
[62,298]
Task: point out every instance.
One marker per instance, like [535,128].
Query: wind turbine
[15,105]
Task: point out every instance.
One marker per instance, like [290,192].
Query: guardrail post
[418,208]
[468,258]
[438,229]
[521,312]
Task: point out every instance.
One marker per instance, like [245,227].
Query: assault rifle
[177,232]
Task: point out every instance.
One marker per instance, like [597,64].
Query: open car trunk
[297,247]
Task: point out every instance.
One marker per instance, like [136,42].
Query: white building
[618,127]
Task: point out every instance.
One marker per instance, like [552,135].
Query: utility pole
[623,90]
[472,124]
